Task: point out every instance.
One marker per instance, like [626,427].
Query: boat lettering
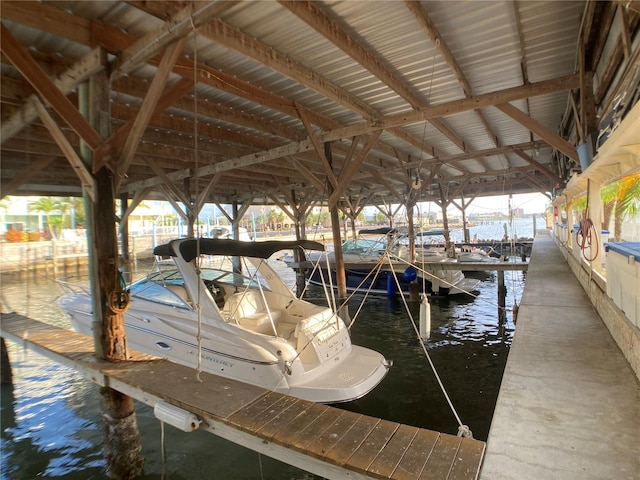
[212,359]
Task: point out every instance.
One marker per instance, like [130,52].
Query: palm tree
[48,206]
[627,202]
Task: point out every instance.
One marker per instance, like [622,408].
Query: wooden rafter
[543,132]
[42,84]
[30,171]
[532,161]
[168,183]
[87,180]
[207,190]
[351,168]
[318,147]
[84,68]
[148,106]
[115,141]
[180,24]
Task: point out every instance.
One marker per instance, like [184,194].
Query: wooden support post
[6,376]
[465,227]
[502,290]
[341,279]
[124,238]
[298,254]
[122,449]
[445,224]
[235,228]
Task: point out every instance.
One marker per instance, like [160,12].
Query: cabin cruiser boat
[363,254]
[252,327]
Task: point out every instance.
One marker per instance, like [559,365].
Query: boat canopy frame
[190,248]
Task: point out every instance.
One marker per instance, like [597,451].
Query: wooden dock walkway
[323,440]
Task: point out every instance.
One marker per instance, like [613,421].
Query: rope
[195,154]
[586,237]
[587,233]
[463,430]
[163,455]
[119,299]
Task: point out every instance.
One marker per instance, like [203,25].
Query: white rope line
[197,202]
[463,430]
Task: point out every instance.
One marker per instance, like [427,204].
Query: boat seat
[180,291]
[249,311]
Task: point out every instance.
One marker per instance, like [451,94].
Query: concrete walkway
[569,404]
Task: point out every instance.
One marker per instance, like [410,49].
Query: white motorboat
[363,254]
[252,326]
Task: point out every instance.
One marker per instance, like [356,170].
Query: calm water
[51,415]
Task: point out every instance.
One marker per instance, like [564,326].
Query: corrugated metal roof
[284,64]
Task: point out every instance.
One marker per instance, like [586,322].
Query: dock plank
[248,418]
[467,459]
[391,455]
[372,445]
[280,422]
[352,440]
[442,457]
[304,438]
[326,440]
[259,413]
[416,455]
[302,421]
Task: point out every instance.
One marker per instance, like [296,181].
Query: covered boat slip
[569,403]
[324,440]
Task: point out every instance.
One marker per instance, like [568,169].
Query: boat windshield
[171,278]
[237,280]
[364,246]
[170,292]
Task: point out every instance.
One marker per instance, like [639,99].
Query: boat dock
[569,402]
[496,266]
[323,440]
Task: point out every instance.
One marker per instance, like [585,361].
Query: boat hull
[390,283]
[231,352]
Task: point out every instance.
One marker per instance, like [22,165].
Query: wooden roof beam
[42,84]
[542,168]
[84,68]
[30,171]
[536,127]
[351,168]
[432,31]
[448,108]
[148,107]
[87,180]
[313,14]
[179,25]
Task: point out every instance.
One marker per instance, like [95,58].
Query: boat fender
[410,274]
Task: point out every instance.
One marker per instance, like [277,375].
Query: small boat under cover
[252,326]
[363,254]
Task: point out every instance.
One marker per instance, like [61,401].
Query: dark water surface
[51,424]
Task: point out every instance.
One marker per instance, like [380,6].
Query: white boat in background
[253,328]
[362,254]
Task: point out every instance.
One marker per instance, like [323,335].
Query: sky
[531,203]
